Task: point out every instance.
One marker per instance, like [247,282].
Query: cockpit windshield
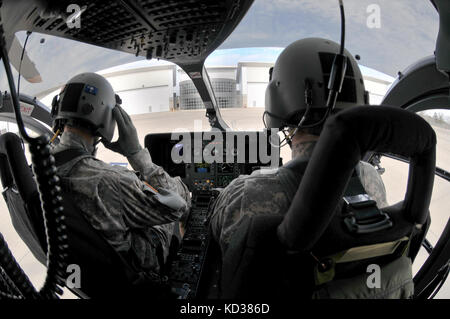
[387,37]
[239,69]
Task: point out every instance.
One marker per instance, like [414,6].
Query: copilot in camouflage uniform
[118,202]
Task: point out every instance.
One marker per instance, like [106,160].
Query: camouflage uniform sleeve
[140,205]
[227,211]
[373,184]
[156,176]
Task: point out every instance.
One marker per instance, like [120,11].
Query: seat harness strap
[361,214]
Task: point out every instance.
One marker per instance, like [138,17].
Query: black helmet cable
[20,64]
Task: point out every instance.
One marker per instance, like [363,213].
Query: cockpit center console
[206,164]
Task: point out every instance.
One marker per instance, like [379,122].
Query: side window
[396,175]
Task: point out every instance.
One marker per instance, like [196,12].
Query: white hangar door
[146,100]
[256,93]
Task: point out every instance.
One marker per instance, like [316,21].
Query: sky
[403,32]
[407,29]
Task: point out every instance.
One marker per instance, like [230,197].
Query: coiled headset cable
[44,170]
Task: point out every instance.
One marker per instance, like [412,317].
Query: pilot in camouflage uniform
[135,211]
[299,66]
[271,192]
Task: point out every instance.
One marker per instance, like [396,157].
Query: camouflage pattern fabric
[271,192]
[120,204]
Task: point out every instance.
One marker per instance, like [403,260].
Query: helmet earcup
[299,81]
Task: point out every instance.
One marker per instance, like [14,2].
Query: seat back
[21,195]
[281,255]
[104,272]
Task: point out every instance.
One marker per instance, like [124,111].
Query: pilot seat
[334,241]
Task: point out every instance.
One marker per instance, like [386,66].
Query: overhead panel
[174,30]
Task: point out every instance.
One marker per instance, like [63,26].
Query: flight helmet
[87,100]
[299,80]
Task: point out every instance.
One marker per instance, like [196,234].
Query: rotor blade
[28,70]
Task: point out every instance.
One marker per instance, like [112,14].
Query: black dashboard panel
[239,153]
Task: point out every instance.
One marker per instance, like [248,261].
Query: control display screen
[202,168]
[186,158]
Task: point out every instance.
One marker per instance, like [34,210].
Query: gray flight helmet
[88,100]
[301,73]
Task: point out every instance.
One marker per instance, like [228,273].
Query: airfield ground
[395,178]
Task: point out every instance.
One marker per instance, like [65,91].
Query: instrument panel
[204,163]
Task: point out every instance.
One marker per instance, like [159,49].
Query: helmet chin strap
[58,131]
[287,139]
[96,142]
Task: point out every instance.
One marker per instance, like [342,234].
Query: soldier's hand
[128,142]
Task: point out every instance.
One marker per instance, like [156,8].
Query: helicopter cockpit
[272,259]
